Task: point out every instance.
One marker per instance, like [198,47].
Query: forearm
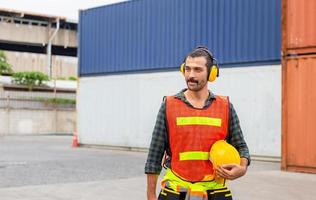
[244,162]
[151,186]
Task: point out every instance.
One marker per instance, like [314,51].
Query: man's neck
[197,96]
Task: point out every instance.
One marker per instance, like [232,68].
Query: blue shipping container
[157,34]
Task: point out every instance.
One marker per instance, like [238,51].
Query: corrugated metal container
[298,114]
[299,26]
[150,34]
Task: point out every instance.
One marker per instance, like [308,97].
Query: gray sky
[65,8]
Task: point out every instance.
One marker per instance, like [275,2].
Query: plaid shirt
[159,142]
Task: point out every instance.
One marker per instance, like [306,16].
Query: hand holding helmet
[226,161]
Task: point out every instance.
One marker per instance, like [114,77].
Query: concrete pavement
[101,174]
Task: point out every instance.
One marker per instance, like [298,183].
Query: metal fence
[37,100]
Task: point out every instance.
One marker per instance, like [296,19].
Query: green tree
[5,67]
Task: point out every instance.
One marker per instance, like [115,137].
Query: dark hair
[202,51]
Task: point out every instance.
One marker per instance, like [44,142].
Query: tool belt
[174,188]
[216,194]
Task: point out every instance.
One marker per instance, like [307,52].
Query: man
[186,127]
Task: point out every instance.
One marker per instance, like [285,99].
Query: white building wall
[120,110]
[62,66]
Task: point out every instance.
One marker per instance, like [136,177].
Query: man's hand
[232,171]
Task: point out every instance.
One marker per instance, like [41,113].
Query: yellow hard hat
[223,153]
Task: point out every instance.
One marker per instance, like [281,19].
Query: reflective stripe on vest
[191,133]
[209,121]
[194,155]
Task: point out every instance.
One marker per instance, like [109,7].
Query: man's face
[195,73]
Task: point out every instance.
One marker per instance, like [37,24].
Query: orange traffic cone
[75,140]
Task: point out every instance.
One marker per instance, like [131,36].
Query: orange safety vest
[191,133]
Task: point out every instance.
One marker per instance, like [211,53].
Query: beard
[195,85]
